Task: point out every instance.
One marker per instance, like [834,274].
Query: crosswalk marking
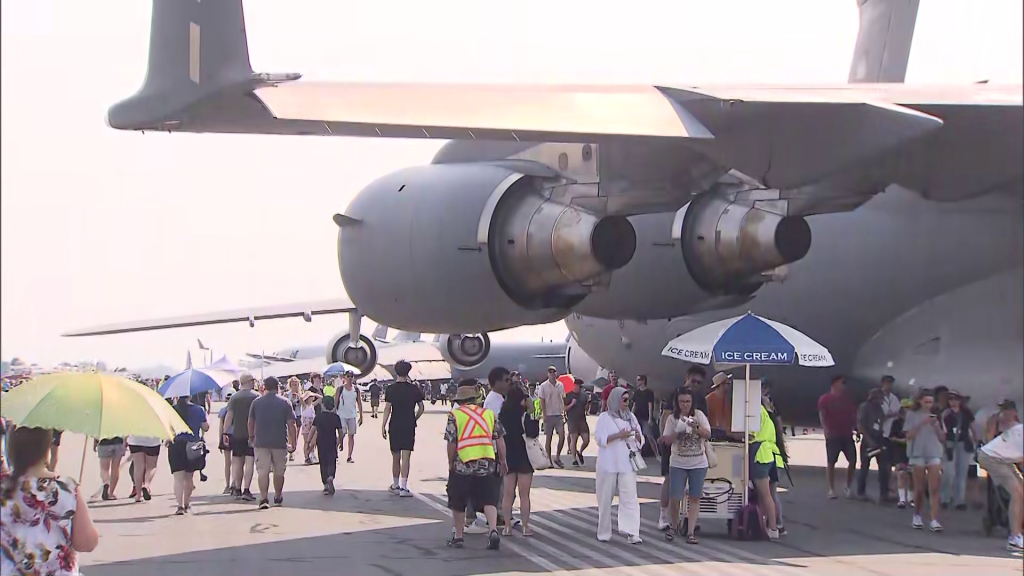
[565,540]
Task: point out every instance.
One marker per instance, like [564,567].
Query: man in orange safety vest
[476,453]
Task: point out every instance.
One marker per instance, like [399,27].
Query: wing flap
[793,141]
[487,112]
[302,309]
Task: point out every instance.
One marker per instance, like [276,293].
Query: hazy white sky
[103,226]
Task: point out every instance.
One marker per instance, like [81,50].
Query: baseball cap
[552,369]
[1007,404]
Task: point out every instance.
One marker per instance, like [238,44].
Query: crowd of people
[933,442]
[493,432]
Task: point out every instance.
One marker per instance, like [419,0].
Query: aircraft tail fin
[883,41]
[196,50]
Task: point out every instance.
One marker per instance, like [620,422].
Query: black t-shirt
[579,410]
[327,425]
[374,391]
[642,402]
[403,397]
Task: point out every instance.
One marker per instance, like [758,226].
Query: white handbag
[636,460]
[538,456]
[709,451]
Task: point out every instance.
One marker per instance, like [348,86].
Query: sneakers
[663,523]
[326,491]
[772,534]
[917,524]
[350,460]
[264,504]
[228,491]
[848,493]
[278,500]
[901,504]
[935,526]
[634,539]
[394,490]
[1015,543]
[330,486]
[493,540]
[404,493]
[179,511]
[248,496]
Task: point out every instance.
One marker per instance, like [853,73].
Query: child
[225,442]
[326,425]
[898,457]
[310,400]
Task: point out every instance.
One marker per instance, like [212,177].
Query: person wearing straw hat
[476,454]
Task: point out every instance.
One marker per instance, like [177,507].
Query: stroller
[997,506]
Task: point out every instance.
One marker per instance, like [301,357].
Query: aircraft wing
[306,310]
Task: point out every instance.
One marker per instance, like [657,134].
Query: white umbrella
[747,340]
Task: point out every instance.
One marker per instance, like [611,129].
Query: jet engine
[467,248]
[728,245]
[465,350]
[363,357]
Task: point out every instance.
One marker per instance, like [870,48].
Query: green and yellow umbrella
[95,404]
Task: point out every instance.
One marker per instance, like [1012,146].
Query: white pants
[624,485]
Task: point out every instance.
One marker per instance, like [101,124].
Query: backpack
[750,523]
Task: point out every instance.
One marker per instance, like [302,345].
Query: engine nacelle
[363,357]
[467,248]
[465,350]
[727,245]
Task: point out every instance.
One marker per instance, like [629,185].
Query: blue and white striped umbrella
[194,381]
[748,339]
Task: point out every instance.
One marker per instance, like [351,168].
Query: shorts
[554,424]
[56,437]
[222,446]
[177,458]
[915,462]
[111,450]
[578,426]
[842,445]
[349,426]
[463,489]
[402,441]
[761,471]
[681,478]
[271,460]
[1001,473]
[240,448]
[147,450]
[307,425]
[374,402]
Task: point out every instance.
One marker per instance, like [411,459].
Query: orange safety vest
[475,427]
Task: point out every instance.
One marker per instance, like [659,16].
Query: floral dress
[35,532]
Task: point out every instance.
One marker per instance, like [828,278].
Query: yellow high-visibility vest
[769,450]
[475,427]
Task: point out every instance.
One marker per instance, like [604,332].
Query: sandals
[691,539]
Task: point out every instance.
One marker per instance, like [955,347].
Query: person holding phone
[926,447]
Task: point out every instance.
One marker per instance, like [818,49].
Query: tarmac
[364,530]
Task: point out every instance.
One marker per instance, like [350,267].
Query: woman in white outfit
[617,434]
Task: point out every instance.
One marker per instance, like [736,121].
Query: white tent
[225,365]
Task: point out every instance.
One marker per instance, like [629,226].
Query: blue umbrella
[194,381]
[747,340]
[337,369]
